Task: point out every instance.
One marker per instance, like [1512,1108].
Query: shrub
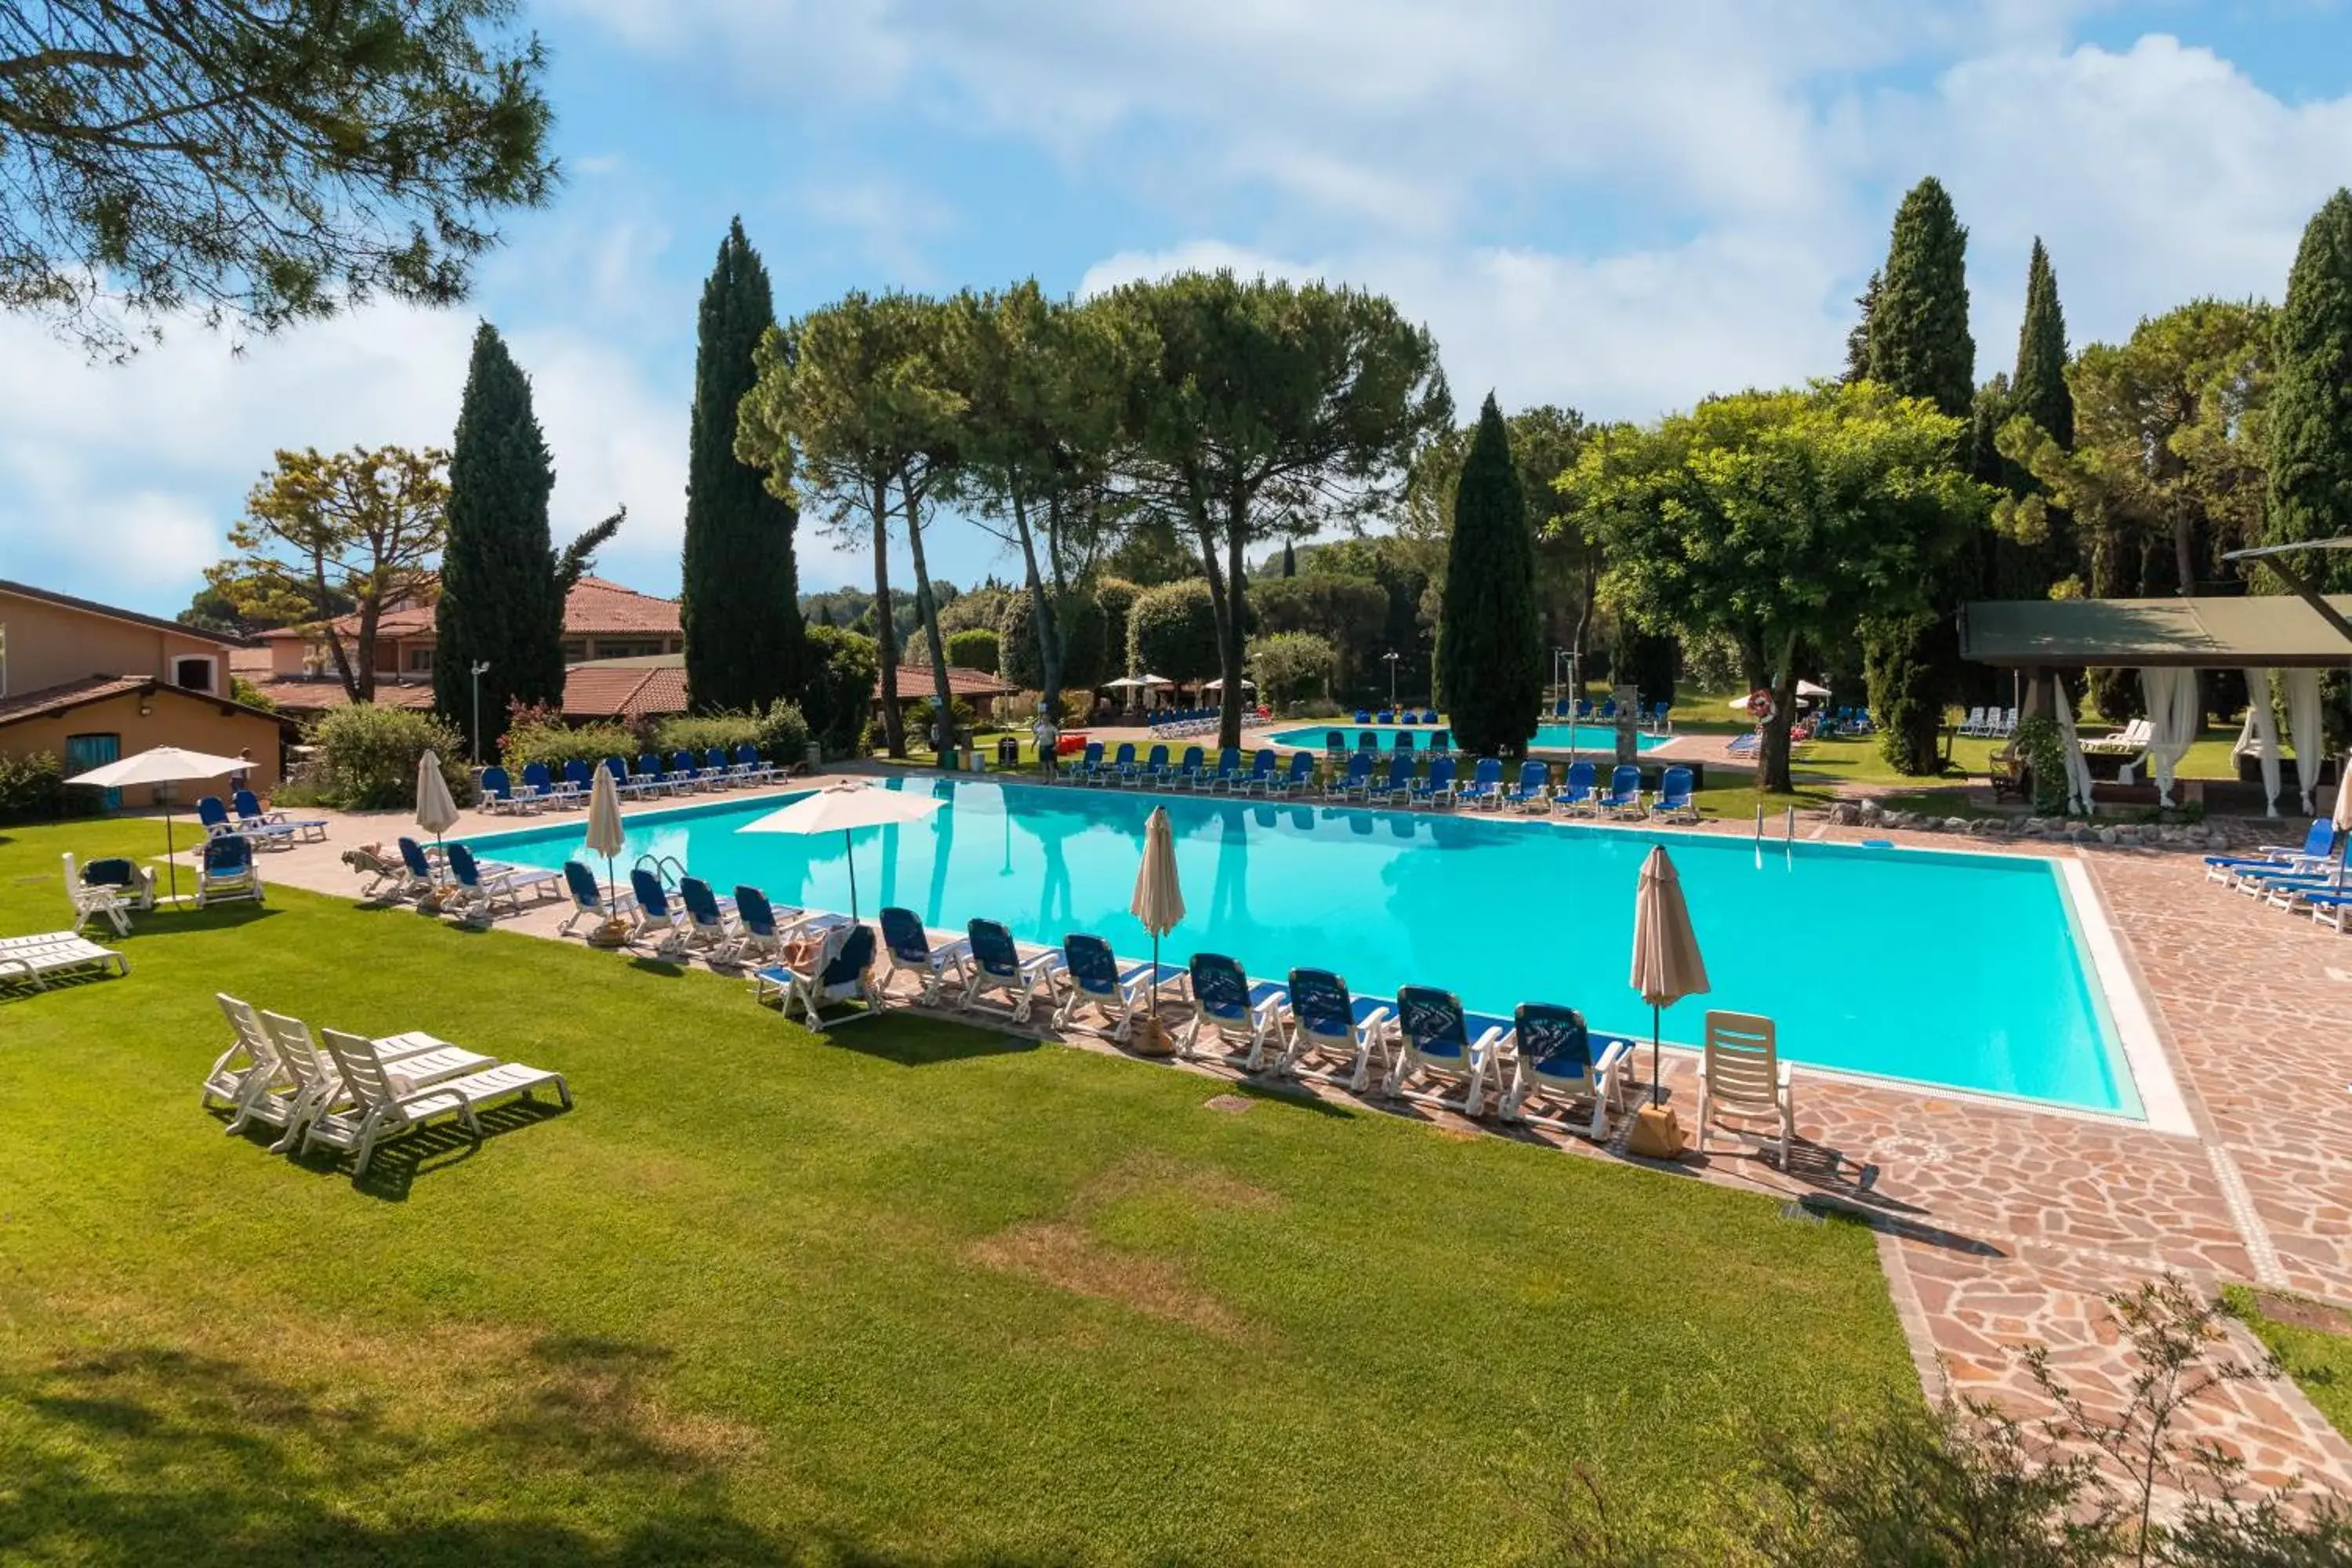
[1904,696]
[558,744]
[240,690]
[32,789]
[841,677]
[1291,665]
[1081,621]
[1115,596]
[1172,631]
[697,732]
[368,756]
[974,647]
[2043,747]
[781,734]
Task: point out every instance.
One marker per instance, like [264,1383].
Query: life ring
[1760,705]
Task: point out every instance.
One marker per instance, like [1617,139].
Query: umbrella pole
[849,851]
[170,847]
[1656,1090]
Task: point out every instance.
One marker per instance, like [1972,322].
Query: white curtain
[2302,730]
[2264,723]
[2078,768]
[2173,713]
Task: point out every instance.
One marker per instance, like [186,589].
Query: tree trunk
[1232,635]
[942,721]
[1041,613]
[886,641]
[1584,612]
[1772,774]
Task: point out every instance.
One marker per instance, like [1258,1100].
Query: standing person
[1049,739]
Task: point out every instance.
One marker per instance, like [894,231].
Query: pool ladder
[669,869]
[1787,837]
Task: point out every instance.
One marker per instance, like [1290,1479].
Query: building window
[574,649]
[194,674]
[619,649]
[420,662]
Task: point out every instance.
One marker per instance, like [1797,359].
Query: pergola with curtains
[2284,639]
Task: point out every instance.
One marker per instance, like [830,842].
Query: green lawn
[2320,1360]
[925,1294]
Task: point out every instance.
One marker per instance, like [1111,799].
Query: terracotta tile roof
[72,694]
[595,607]
[56,698]
[253,663]
[915,680]
[296,694]
[25,590]
[604,691]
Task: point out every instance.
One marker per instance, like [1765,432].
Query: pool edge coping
[2163,1107]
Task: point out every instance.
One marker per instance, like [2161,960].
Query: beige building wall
[171,720]
[49,645]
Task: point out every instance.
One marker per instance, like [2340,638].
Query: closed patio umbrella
[1158,903]
[437,810]
[1667,968]
[2343,817]
[163,765]
[606,836]
[842,808]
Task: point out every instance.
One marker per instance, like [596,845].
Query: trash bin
[816,757]
[1008,752]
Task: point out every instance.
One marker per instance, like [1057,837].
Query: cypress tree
[739,599]
[1920,347]
[1919,342]
[2038,389]
[1489,646]
[2311,401]
[500,598]
[1289,560]
[1857,337]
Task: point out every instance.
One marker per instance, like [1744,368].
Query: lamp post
[1391,657]
[481,665]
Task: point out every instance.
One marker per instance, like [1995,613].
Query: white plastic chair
[1742,1075]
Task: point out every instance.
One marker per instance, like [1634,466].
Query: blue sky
[1619,208]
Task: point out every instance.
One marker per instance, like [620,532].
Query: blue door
[84,753]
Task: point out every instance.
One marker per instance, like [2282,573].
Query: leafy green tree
[853,412]
[1489,648]
[324,535]
[1777,518]
[1078,617]
[974,647]
[1397,564]
[1173,631]
[1920,347]
[1151,554]
[265,163]
[1040,381]
[2311,406]
[1348,612]
[1115,596]
[1250,404]
[1289,666]
[844,668]
[501,601]
[739,600]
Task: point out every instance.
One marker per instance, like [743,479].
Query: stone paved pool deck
[2004,1225]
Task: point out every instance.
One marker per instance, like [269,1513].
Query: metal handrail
[668,868]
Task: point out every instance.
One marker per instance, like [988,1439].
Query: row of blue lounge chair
[539,789]
[1578,791]
[2309,876]
[1422,1044]
[245,816]
[1657,718]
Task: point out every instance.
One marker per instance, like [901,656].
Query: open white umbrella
[1666,963]
[842,808]
[1219,684]
[1158,903]
[163,765]
[606,836]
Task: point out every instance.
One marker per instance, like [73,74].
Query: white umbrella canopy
[1158,900]
[163,765]
[437,810]
[1666,963]
[2342,818]
[1219,684]
[841,808]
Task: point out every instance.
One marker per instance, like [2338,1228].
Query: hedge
[368,756]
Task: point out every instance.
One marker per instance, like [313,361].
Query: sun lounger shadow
[922,1042]
[668,968]
[1298,1095]
[397,1164]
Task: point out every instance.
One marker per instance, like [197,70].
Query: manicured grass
[2320,1360]
[919,1293]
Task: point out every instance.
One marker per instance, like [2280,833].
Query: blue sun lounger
[1673,803]
[1231,1010]
[1436,1041]
[2318,844]
[250,816]
[1296,779]
[1396,784]
[1355,782]
[1324,1020]
[1486,785]
[1437,789]
[1116,988]
[909,946]
[1551,1055]
[1576,793]
[1624,796]
[589,900]
[999,967]
[1534,786]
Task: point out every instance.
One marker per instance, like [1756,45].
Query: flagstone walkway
[2004,1225]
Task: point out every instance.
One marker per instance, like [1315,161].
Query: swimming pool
[1960,970]
[1548,737]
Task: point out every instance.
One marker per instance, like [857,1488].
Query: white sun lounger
[52,956]
[318,1081]
[386,1103]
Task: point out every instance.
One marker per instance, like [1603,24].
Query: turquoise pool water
[1548,737]
[1952,968]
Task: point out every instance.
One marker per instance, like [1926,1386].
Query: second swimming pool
[1548,737]
[1961,970]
